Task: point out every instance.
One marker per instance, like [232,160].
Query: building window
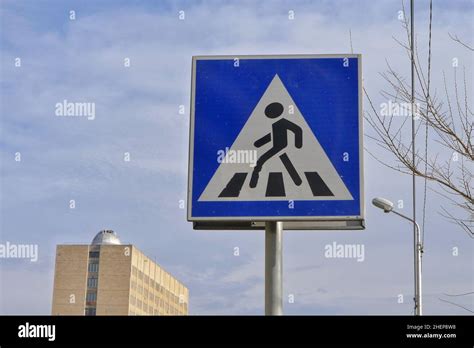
[92,282]
[94,254]
[90,311]
[91,297]
[94,267]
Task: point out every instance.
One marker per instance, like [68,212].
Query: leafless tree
[447,118]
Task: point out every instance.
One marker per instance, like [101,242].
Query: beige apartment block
[110,278]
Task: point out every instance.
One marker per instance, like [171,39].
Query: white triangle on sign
[231,181]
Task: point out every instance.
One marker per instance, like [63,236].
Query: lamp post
[387,207]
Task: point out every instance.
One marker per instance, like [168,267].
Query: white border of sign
[355,222]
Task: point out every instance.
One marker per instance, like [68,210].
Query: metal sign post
[273,268]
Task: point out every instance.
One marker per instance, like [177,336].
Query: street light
[387,207]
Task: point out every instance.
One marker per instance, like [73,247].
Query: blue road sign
[276,138]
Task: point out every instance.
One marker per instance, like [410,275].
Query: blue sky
[137,112]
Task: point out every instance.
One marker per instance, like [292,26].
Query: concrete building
[111,278]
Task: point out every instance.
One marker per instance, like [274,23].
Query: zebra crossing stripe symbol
[290,162]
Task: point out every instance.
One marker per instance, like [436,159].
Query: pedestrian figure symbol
[279,139]
[290,163]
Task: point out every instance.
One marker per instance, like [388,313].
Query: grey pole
[273,268]
[416,228]
[418,251]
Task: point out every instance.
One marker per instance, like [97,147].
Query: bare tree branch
[448,118]
[456,39]
[457,305]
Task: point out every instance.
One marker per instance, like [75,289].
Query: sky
[137,111]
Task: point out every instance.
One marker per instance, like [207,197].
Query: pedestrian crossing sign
[276,138]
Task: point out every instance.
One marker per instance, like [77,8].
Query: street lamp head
[383,203]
